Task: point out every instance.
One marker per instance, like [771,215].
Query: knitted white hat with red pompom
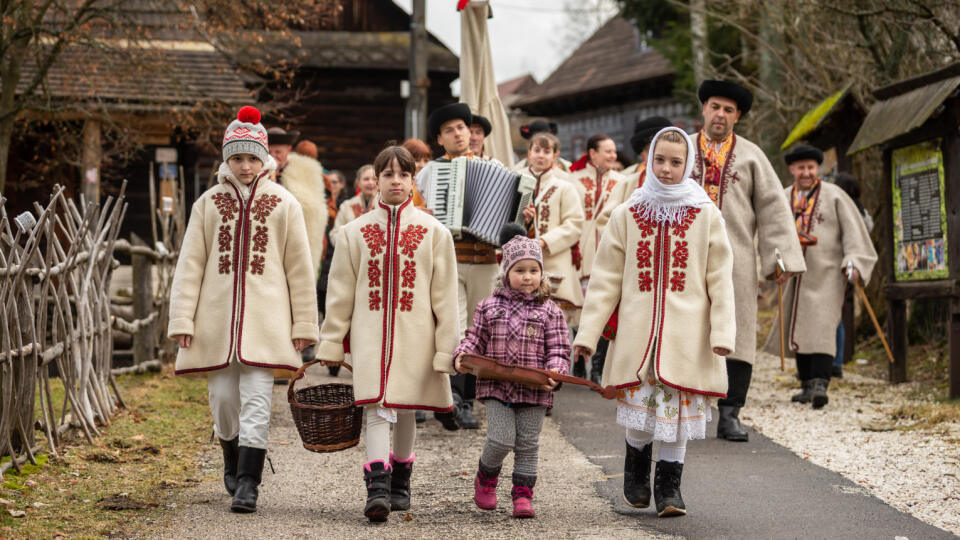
[246,135]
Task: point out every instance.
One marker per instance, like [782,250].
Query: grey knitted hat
[246,135]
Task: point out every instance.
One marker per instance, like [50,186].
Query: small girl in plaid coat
[517,325]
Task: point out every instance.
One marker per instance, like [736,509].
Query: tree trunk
[698,32]
[6,135]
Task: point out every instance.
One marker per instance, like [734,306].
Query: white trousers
[377,437]
[474,283]
[240,397]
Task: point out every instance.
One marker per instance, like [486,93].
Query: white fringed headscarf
[660,202]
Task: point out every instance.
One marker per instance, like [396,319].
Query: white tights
[377,436]
[669,451]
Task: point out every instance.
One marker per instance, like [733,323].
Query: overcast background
[526,36]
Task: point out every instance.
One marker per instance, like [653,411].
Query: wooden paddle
[781,269]
[488,368]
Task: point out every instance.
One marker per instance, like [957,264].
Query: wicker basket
[325,415]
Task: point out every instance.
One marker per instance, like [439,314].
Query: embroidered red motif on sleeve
[677,281]
[257,264]
[226,205]
[410,239]
[375,238]
[680,254]
[263,206]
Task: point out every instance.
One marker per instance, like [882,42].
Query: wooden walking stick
[866,304]
[780,270]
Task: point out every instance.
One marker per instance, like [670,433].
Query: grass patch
[925,415]
[148,450]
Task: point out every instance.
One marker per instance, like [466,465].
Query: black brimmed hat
[644,131]
[447,113]
[278,135]
[484,123]
[537,126]
[803,151]
[730,90]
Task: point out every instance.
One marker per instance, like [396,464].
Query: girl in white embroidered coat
[393,287]
[665,257]
[243,299]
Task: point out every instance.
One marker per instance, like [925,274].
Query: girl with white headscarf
[665,260]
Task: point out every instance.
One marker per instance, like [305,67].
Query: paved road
[735,490]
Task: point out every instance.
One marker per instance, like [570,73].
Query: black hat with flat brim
[801,152]
[644,131]
[278,135]
[537,126]
[730,90]
[484,123]
[447,113]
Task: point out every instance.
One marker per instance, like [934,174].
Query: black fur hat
[509,230]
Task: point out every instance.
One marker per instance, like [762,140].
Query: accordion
[478,197]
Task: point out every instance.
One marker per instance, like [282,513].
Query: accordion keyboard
[446,194]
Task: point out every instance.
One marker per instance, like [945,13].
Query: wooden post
[897,317]
[91,160]
[416,121]
[954,338]
[143,341]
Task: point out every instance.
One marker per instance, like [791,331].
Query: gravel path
[916,471]
[315,495]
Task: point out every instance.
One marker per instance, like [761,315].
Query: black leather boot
[231,453]
[636,476]
[580,369]
[466,418]
[420,417]
[377,478]
[818,392]
[334,370]
[400,483]
[249,475]
[449,419]
[597,360]
[728,426]
[804,395]
[666,489]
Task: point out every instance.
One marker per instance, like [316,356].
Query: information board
[919,213]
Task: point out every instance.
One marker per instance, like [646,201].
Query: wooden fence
[56,264]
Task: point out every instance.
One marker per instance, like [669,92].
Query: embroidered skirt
[667,413]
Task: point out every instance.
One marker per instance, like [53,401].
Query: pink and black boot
[376,476]
[522,495]
[485,487]
[400,482]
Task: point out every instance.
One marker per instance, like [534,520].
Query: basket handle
[291,396]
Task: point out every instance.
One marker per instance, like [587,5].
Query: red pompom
[249,115]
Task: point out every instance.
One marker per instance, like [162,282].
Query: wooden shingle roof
[614,57]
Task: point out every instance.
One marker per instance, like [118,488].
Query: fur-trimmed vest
[303,177]
[244,286]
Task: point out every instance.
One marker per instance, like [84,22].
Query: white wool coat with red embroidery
[753,206]
[350,210]
[244,285]
[813,301]
[558,223]
[674,288]
[393,291]
[596,195]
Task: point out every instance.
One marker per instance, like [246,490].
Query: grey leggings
[513,428]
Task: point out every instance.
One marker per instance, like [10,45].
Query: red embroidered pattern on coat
[263,206]
[224,266]
[226,205]
[646,227]
[645,281]
[680,229]
[644,254]
[375,238]
[545,210]
[588,205]
[260,239]
[224,238]
[409,274]
[375,300]
[406,301]
[677,281]
[257,264]
[410,239]
[680,254]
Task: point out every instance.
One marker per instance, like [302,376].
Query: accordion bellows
[478,197]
